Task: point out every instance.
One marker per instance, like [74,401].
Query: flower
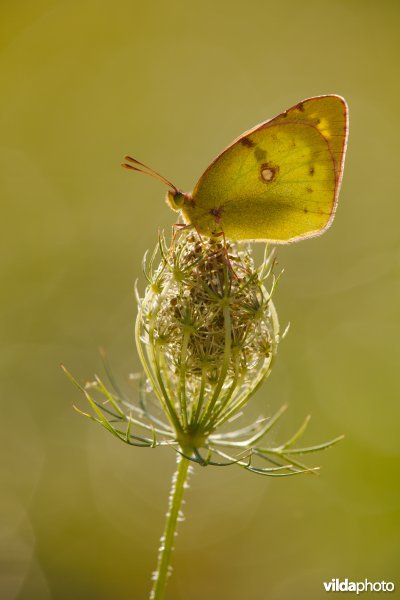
[207,334]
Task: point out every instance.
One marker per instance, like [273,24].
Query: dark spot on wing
[311,171]
[247,142]
[300,107]
[305,210]
[260,154]
[217,213]
[309,190]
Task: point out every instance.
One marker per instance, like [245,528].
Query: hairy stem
[167,539]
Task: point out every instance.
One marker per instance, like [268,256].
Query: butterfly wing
[279,181]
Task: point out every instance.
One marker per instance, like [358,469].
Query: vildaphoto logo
[344,585]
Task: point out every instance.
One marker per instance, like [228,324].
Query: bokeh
[172,83]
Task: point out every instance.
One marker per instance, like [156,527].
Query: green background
[172,83]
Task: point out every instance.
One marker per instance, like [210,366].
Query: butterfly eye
[175,200]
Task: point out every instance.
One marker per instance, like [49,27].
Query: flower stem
[167,539]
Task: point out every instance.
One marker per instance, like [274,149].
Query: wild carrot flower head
[207,334]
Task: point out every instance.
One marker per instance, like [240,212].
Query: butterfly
[278,182]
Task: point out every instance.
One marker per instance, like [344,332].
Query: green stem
[167,539]
[224,368]
[182,379]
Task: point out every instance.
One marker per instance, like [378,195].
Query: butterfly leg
[224,253]
[226,256]
[177,228]
[199,235]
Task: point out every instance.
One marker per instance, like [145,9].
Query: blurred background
[173,83]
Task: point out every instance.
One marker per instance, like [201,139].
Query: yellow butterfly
[277,182]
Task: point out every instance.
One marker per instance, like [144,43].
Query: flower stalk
[174,514]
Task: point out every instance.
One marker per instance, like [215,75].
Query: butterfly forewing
[280,180]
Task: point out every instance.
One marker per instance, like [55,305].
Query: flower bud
[207,331]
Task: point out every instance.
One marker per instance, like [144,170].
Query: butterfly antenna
[146,171]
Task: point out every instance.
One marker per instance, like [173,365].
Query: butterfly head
[176,199]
